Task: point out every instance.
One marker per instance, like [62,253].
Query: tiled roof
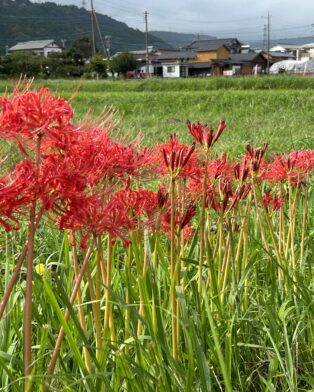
[213,44]
[188,54]
[281,54]
[243,57]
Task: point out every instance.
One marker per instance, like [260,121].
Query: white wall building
[42,48]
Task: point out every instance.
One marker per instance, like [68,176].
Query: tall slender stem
[304,218]
[172,272]
[108,285]
[202,227]
[60,337]
[29,277]
[80,307]
[96,311]
[17,269]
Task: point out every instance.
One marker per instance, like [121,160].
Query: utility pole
[93,28]
[146,44]
[108,45]
[268,41]
[264,37]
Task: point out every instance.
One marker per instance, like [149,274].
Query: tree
[22,63]
[80,50]
[98,65]
[123,62]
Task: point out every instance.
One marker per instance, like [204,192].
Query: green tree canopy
[123,62]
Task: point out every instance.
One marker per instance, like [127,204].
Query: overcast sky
[244,19]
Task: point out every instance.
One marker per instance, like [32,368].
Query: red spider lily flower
[302,160]
[273,202]
[139,203]
[240,194]
[93,215]
[201,133]
[97,155]
[9,203]
[241,172]
[181,220]
[162,197]
[17,190]
[222,198]
[293,167]
[256,155]
[187,217]
[29,114]
[205,136]
[220,168]
[221,127]
[217,168]
[188,233]
[175,159]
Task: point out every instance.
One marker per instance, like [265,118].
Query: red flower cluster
[85,178]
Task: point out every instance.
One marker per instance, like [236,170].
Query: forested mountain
[21,20]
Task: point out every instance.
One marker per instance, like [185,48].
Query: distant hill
[178,40]
[292,41]
[21,20]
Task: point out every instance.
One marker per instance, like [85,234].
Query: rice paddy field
[132,260]
[278,109]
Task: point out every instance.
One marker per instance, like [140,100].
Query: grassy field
[207,284]
[277,110]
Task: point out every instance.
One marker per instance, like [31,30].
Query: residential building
[308,51]
[176,64]
[247,63]
[295,50]
[232,44]
[42,48]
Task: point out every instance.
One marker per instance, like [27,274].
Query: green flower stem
[96,311]
[60,337]
[258,196]
[304,218]
[108,286]
[80,307]
[17,269]
[202,225]
[172,273]
[29,279]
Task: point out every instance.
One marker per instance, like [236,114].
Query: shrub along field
[184,266]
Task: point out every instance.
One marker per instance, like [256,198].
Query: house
[208,51]
[247,63]
[308,51]
[42,48]
[274,57]
[295,50]
[212,55]
[232,44]
[176,64]
[197,59]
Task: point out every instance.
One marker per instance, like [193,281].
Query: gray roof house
[42,48]
[232,44]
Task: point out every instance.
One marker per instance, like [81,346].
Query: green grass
[277,110]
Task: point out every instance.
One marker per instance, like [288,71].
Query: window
[171,69]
